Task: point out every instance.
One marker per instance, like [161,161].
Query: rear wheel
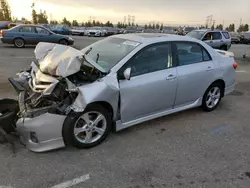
[212,97]
[88,129]
[63,42]
[19,43]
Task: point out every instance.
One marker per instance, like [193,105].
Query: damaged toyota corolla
[77,97]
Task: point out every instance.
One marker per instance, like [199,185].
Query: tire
[19,43]
[223,48]
[76,130]
[212,96]
[63,42]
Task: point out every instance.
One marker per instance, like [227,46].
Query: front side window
[190,53]
[27,29]
[154,58]
[196,34]
[42,31]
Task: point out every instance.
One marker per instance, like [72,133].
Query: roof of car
[205,30]
[153,37]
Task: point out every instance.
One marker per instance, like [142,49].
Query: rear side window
[190,53]
[27,29]
[216,36]
[226,35]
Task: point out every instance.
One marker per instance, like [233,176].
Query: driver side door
[152,85]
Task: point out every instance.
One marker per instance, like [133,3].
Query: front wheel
[87,129]
[63,42]
[212,97]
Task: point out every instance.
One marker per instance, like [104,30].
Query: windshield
[196,34]
[108,52]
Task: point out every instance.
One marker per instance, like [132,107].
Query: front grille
[92,33]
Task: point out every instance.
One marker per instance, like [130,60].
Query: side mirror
[127,73]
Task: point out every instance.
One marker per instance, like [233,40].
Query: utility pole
[240,21]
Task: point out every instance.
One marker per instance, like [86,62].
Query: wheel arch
[105,105]
[222,83]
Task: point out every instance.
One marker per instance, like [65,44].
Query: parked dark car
[4,25]
[61,29]
[32,34]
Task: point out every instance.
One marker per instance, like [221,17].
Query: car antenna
[86,53]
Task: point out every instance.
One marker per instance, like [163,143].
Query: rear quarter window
[226,35]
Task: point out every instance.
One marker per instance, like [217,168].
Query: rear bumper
[71,42]
[229,89]
[7,41]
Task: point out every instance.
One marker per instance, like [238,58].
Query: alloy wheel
[90,127]
[213,97]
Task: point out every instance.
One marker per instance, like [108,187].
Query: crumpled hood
[61,60]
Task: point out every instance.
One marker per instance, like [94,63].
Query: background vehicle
[4,25]
[130,29]
[215,38]
[245,38]
[235,37]
[79,31]
[111,31]
[96,32]
[108,81]
[61,29]
[186,30]
[32,34]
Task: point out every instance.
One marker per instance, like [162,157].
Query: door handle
[209,69]
[171,77]
[221,41]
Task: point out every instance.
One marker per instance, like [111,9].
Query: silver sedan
[78,97]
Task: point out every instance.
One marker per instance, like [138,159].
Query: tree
[109,24]
[231,28]
[157,26]
[153,26]
[66,22]
[146,26]
[129,24]
[94,23]
[34,14]
[150,26]
[5,12]
[53,22]
[42,17]
[75,23]
[161,28]
[220,26]
[133,24]
[246,27]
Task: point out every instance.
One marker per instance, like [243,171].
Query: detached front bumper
[41,133]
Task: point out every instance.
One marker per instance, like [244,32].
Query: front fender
[104,90]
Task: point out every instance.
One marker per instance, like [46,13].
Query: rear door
[195,72]
[28,33]
[152,86]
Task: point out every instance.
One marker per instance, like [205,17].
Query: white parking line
[72,182]
[1,186]
[241,71]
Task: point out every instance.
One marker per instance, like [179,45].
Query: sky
[169,12]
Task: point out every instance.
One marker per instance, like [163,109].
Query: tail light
[2,33]
[235,65]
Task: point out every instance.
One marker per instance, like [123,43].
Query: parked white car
[80,31]
[96,32]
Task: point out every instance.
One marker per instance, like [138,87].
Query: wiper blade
[97,57]
[89,50]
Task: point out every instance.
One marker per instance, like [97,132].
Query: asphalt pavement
[189,149]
